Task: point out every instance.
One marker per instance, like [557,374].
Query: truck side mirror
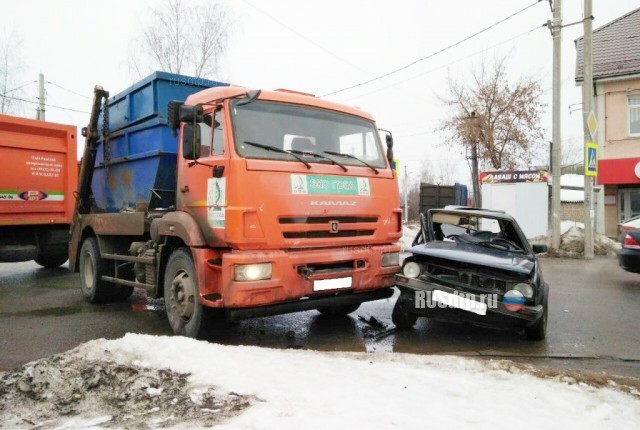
[191,114]
[389,140]
[191,141]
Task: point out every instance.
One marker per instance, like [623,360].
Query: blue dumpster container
[140,172]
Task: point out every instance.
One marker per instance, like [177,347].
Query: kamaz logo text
[331,203]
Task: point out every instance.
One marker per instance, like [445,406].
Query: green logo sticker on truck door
[216,202]
[333,185]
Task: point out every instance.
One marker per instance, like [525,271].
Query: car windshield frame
[505,222]
[272,125]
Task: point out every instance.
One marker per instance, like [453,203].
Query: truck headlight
[390,259]
[252,272]
[411,269]
[525,289]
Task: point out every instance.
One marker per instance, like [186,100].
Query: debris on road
[373,322]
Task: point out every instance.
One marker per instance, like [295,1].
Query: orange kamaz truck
[38,178]
[251,202]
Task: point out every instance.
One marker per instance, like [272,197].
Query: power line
[21,86]
[68,90]
[306,38]
[526,33]
[399,69]
[46,105]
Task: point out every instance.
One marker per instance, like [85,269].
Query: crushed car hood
[476,254]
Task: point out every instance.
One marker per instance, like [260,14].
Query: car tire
[538,331]
[52,260]
[402,317]
[181,295]
[341,310]
[92,268]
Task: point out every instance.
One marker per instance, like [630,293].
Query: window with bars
[634,115]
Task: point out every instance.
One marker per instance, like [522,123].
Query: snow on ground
[287,389]
[409,232]
[572,241]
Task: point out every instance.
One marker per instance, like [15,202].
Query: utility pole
[587,97]
[40,110]
[556,149]
[477,200]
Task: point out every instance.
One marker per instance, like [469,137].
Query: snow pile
[409,232]
[100,391]
[293,389]
[572,241]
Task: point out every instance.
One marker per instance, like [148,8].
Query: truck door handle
[184,189]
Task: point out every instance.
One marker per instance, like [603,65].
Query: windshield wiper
[353,157]
[276,149]
[295,151]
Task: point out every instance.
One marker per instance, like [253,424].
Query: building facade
[616,77]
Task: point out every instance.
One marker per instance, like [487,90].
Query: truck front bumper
[293,283]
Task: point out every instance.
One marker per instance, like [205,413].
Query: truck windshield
[304,131]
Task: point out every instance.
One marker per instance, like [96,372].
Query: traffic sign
[591,159]
[592,123]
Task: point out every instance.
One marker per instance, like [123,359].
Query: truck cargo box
[141,159]
[39,172]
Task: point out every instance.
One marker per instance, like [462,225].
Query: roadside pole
[556,154]
[406,194]
[40,111]
[587,96]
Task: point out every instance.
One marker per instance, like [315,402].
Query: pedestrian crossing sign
[591,159]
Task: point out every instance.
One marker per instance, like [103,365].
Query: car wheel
[538,331]
[402,316]
[338,310]
[52,260]
[181,295]
[92,268]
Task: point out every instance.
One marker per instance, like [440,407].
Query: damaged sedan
[473,266]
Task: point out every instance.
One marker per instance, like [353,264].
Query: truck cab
[283,202]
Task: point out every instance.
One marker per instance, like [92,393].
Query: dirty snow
[409,232]
[572,241]
[287,389]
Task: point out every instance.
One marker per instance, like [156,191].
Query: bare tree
[11,68]
[499,118]
[187,37]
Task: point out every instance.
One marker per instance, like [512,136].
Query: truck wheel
[402,317]
[52,260]
[92,269]
[184,310]
[338,310]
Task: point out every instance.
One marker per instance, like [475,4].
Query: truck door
[202,185]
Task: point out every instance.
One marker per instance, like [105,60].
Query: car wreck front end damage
[486,278]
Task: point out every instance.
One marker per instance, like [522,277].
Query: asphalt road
[593,323]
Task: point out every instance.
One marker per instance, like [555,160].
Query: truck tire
[181,295]
[402,317]
[52,260]
[92,269]
[338,310]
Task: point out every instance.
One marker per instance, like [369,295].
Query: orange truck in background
[280,202]
[38,178]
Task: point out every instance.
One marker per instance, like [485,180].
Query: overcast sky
[319,47]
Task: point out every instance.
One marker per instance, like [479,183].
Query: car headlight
[252,272]
[390,259]
[525,289]
[411,269]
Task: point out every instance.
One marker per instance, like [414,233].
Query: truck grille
[327,219]
[321,234]
[319,227]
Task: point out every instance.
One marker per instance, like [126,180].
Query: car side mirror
[191,141]
[539,249]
